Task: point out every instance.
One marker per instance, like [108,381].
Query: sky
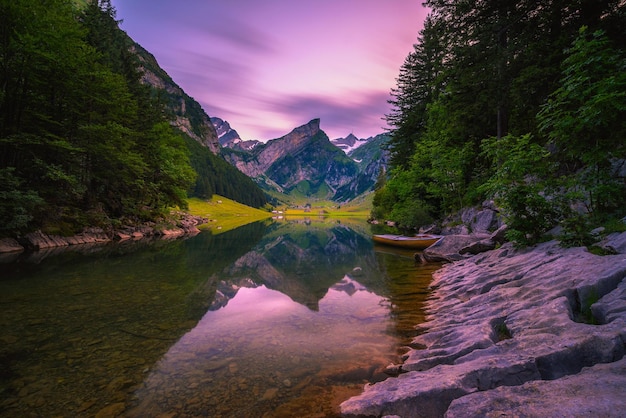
[269,66]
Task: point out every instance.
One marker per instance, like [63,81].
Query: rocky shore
[34,241]
[515,332]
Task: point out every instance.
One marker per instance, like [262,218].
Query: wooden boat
[417,242]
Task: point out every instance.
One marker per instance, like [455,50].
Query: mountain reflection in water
[293,318]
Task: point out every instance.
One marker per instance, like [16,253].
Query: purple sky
[272,65]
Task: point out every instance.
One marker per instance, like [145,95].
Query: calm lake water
[269,320]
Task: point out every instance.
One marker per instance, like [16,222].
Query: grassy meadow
[226,214]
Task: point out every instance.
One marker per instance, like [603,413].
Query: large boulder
[615,243]
[474,220]
[478,247]
[448,247]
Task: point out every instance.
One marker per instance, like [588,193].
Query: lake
[273,319]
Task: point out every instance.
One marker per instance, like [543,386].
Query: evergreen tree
[81,141]
[495,64]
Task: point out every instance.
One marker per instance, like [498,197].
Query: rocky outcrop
[511,331]
[452,248]
[563,397]
[187,115]
[266,155]
[448,248]
[10,245]
[304,160]
[474,220]
[37,240]
[472,231]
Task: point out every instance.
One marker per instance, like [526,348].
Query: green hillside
[225,214]
[87,143]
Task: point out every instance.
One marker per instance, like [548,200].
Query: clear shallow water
[278,320]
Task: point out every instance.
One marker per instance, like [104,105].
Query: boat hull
[418,242]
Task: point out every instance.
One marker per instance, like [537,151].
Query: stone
[499,235]
[460,229]
[38,240]
[430,229]
[448,247]
[269,394]
[595,391]
[120,236]
[484,221]
[111,411]
[615,243]
[508,334]
[10,245]
[478,247]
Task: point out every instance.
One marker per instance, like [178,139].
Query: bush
[411,215]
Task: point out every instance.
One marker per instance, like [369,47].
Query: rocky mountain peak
[301,133]
[351,139]
[349,143]
[306,162]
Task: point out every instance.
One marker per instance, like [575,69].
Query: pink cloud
[268,66]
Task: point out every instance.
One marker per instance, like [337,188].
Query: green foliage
[518,187]
[416,87]
[490,69]
[216,176]
[170,167]
[615,225]
[383,202]
[411,215]
[399,200]
[584,119]
[81,141]
[576,231]
[16,205]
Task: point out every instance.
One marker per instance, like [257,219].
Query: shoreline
[510,332]
[36,241]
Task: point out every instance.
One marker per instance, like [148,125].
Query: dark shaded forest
[521,102]
[82,141]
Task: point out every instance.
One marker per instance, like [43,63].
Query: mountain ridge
[214,174]
[186,113]
[306,162]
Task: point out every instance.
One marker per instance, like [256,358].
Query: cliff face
[304,161]
[187,114]
[228,137]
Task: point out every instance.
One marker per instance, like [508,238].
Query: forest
[520,102]
[82,141]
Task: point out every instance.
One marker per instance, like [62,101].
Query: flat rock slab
[510,321]
[598,391]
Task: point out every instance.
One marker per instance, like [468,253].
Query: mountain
[228,137]
[349,143]
[187,115]
[214,174]
[371,154]
[371,157]
[306,163]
